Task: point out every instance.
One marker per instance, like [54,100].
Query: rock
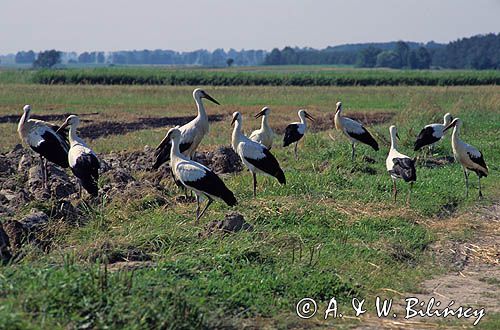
[5,254]
[119,175]
[35,220]
[5,165]
[65,209]
[232,223]
[25,163]
[17,234]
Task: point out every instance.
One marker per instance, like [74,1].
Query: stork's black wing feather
[162,152]
[291,134]
[479,161]
[269,165]
[86,169]
[404,168]
[52,149]
[212,185]
[365,138]
[425,138]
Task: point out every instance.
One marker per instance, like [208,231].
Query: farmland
[136,260]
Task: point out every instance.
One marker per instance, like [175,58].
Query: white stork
[295,131]
[82,160]
[400,166]
[469,157]
[432,133]
[191,133]
[264,135]
[42,138]
[256,157]
[196,177]
[354,130]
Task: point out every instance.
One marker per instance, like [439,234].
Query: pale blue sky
[254,24]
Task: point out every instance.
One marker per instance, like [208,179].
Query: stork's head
[303,114]
[236,118]
[70,121]
[264,112]
[174,133]
[456,122]
[339,107]
[27,108]
[447,118]
[199,93]
[394,131]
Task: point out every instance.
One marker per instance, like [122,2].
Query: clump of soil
[222,160]
[438,161]
[232,223]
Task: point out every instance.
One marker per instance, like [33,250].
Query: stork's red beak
[208,97]
[261,113]
[308,116]
[63,126]
[449,126]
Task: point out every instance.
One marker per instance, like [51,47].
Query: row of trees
[478,52]
[217,58]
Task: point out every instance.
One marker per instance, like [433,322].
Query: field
[258,76]
[136,260]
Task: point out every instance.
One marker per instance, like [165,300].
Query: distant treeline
[352,77]
[202,57]
[478,52]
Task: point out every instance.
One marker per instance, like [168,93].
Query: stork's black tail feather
[405,169]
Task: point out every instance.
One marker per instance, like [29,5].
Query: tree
[47,59]
[367,58]
[274,58]
[229,62]
[389,59]
[419,59]
[25,57]
[402,50]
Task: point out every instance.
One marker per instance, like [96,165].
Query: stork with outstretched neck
[256,157]
[82,160]
[43,139]
[354,131]
[468,156]
[264,135]
[191,133]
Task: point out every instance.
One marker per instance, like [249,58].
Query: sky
[184,25]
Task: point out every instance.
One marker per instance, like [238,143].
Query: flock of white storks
[54,144]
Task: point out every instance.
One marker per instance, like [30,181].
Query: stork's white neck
[237,135]
[455,136]
[302,117]
[175,152]
[446,120]
[265,124]
[72,134]
[393,140]
[24,118]
[201,108]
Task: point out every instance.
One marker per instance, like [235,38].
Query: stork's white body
[463,152]
[247,148]
[264,135]
[393,154]
[348,126]
[432,133]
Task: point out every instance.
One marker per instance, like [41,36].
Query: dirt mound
[222,160]
[106,128]
[437,161]
[232,223]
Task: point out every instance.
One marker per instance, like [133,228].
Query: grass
[331,231]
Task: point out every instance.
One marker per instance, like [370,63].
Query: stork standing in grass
[354,130]
[468,156]
[264,135]
[256,157]
[191,133]
[400,166]
[42,138]
[432,133]
[197,177]
[82,160]
[295,131]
